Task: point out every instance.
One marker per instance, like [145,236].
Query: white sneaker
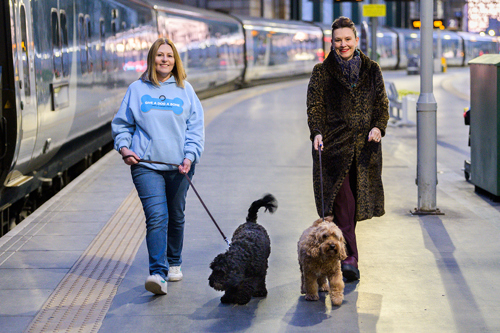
[156,284]
[174,273]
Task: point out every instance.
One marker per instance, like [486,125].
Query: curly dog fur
[241,270]
[321,249]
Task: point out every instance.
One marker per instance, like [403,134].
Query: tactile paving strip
[83,297]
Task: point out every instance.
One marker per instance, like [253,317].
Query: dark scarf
[350,68]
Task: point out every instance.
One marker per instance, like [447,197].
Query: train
[67,64]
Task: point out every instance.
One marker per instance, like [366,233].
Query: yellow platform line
[82,299]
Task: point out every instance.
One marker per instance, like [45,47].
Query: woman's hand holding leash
[129,157]
[318,141]
[185,166]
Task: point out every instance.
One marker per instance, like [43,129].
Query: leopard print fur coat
[344,114]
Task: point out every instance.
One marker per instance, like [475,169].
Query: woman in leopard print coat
[347,110]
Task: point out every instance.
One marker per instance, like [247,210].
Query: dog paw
[310,297]
[227,299]
[324,287]
[260,293]
[337,300]
[243,300]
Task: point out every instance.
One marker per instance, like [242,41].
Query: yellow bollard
[444,67]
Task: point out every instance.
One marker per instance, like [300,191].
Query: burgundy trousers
[344,209]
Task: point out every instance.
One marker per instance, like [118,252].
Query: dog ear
[219,262]
[312,243]
[340,236]
[318,221]
[313,251]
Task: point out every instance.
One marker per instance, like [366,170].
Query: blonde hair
[178,70]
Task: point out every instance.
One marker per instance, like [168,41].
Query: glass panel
[64,37]
[81,40]
[102,36]
[25,56]
[88,39]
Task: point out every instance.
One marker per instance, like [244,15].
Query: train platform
[78,264]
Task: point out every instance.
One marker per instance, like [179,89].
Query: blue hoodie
[164,124]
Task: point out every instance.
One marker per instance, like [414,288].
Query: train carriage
[63,77]
[276,48]
[210,44]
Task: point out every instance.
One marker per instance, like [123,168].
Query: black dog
[241,271]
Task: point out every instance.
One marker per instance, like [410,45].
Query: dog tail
[268,201]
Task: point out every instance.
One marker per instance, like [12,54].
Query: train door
[23,54]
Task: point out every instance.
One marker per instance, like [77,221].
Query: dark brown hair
[178,70]
[344,22]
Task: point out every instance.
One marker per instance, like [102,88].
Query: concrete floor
[418,274]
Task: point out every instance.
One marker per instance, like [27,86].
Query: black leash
[194,189]
[321,183]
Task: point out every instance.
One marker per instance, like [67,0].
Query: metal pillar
[426,118]
[295,10]
[317,11]
[389,20]
[355,13]
[337,10]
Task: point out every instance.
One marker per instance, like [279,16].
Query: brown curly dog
[321,249]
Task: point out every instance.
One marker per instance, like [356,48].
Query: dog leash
[194,189]
[321,183]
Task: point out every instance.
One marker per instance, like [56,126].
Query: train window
[55,30]
[89,30]
[102,29]
[25,55]
[64,40]
[81,41]
[56,46]
[64,29]
[88,44]
[113,28]
[102,36]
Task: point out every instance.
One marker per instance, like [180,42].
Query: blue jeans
[163,197]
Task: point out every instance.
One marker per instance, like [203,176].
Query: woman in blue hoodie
[161,119]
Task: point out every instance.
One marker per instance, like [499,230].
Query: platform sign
[374,10]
